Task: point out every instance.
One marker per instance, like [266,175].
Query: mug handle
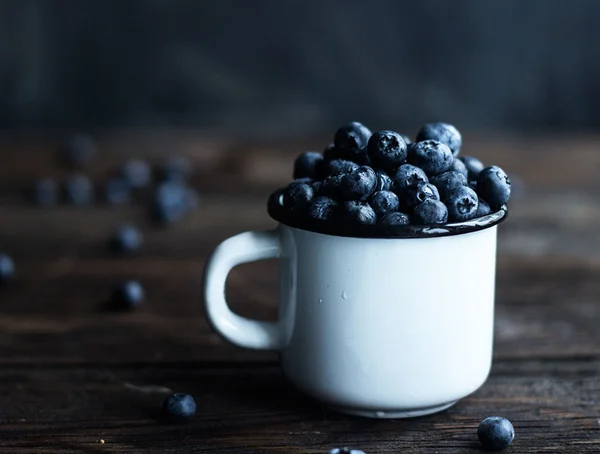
[243,248]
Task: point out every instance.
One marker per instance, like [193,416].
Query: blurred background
[271,68]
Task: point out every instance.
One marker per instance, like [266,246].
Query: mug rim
[378,231]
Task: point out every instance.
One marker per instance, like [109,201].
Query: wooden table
[75,378]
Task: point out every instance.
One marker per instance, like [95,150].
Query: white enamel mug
[376,327]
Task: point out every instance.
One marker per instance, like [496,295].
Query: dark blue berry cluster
[172,198]
[166,188]
[366,178]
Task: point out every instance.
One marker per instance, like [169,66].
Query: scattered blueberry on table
[364,178]
[137,173]
[117,191]
[345,451]
[177,168]
[127,296]
[172,201]
[79,190]
[7,268]
[495,433]
[178,407]
[46,192]
[79,151]
[126,238]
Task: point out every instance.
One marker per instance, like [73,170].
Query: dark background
[274,67]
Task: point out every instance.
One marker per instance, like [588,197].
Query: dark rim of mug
[387,231]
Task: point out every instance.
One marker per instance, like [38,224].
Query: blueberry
[395,218]
[358,213]
[331,186]
[45,192]
[442,132]
[408,175]
[79,150]
[275,201]
[384,202]
[137,172]
[448,182]
[306,180]
[384,182]
[79,190]
[494,186]
[331,152]
[351,140]
[336,167]
[407,140]
[127,296]
[323,208]
[495,433]
[7,268]
[483,209]
[117,191]
[414,195]
[430,212]
[177,168]
[317,187]
[387,149]
[459,166]
[430,155]
[306,164]
[179,407]
[171,202]
[345,451]
[358,184]
[126,239]
[296,196]
[462,204]
[473,166]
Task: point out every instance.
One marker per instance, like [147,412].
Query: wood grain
[72,374]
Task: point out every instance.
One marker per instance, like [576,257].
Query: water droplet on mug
[320,301]
[344,295]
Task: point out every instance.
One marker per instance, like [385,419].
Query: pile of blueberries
[384,178]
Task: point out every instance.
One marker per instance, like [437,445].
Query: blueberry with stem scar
[495,433]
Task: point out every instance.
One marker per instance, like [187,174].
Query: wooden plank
[254,410]
[73,374]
